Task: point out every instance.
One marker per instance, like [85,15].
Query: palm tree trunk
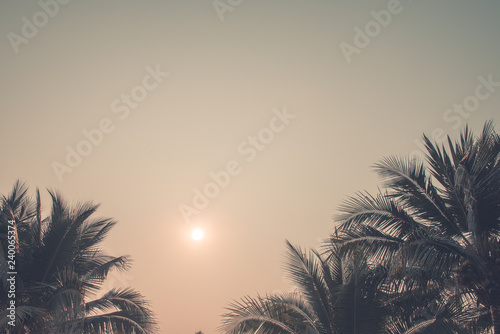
[495,318]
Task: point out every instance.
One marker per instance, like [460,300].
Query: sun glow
[197,234]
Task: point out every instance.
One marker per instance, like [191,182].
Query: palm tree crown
[60,266]
[441,216]
[334,295]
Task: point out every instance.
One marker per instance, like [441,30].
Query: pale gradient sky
[225,79]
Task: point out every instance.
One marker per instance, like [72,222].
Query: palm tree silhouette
[60,267]
[440,216]
[334,295]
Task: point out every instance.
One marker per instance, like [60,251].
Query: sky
[251,120]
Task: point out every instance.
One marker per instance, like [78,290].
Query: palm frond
[306,271]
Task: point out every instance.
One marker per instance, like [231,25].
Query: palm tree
[334,295]
[440,216]
[347,295]
[59,267]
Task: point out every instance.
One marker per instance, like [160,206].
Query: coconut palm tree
[440,216]
[345,295]
[334,295]
[59,267]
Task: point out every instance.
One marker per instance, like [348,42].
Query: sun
[197,234]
